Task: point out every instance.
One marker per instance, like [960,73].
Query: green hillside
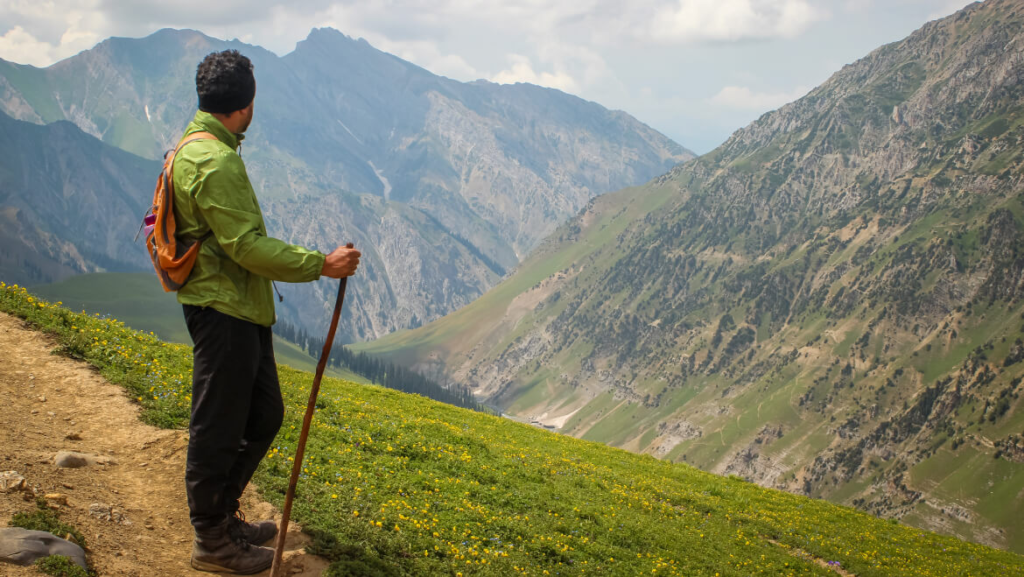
[830,303]
[396,484]
[137,300]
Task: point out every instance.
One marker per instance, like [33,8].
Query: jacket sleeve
[226,201]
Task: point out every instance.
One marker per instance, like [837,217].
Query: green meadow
[397,484]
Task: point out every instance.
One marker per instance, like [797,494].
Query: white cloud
[743,98]
[48,30]
[733,20]
[521,70]
[20,46]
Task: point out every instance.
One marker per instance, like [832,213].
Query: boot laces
[236,530]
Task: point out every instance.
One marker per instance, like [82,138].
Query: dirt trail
[48,400]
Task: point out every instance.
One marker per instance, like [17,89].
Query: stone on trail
[105,512]
[23,547]
[56,499]
[11,481]
[76,460]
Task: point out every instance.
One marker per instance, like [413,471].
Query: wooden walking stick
[275,569]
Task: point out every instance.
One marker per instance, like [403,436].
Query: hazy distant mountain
[832,302]
[445,185]
[68,204]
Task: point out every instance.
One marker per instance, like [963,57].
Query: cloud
[20,46]
[733,20]
[743,98]
[521,70]
[45,31]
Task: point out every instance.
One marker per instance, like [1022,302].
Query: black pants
[236,411]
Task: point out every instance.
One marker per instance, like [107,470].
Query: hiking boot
[224,549]
[254,533]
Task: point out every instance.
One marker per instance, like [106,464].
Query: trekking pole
[286,514]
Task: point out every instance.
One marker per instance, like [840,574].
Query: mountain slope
[359,145]
[829,303]
[430,489]
[68,204]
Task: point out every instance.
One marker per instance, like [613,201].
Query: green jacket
[236,264]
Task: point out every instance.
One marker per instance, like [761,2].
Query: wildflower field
[397,484]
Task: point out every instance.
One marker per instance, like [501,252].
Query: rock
[11,481]
[73,436]
[23,547]
[75,460]
[72,460]
[56,498]
[105,512]
[42,398]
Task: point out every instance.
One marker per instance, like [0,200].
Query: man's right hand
[342,262]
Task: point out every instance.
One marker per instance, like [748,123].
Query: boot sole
[214,568]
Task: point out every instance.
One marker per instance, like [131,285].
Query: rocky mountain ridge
[828,303]
[353,144]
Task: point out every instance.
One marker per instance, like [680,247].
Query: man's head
[226,88]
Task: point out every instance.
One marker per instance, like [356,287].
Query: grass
[136,299]
[399,484]
[61,566]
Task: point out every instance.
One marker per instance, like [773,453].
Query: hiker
[229,308]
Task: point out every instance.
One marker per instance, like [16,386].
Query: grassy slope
[398,484]
[137,300]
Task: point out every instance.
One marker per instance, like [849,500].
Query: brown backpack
[172,258]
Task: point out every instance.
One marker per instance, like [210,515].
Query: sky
[695,70]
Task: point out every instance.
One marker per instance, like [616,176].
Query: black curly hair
[224,82]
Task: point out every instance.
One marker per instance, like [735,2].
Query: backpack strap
[169,167]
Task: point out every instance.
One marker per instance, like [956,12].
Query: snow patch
[383,180]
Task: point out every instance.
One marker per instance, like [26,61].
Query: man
[229,308]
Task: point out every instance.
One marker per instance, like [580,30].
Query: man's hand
[342,262]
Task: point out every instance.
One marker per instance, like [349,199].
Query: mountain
[68,204]
[829,303]
[444,185]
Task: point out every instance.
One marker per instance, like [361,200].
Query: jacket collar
[206,122]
